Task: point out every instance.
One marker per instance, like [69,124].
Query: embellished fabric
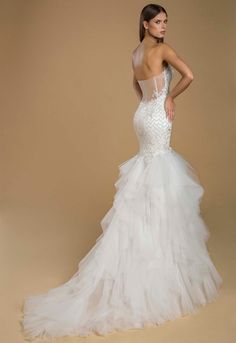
[150,264]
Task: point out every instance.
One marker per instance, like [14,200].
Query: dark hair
[148,12]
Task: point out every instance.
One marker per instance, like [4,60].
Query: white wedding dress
[150,264]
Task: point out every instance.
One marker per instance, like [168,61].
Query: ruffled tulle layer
[149,265]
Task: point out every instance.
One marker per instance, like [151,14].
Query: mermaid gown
[150,264]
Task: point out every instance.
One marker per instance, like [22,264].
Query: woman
[149,57]
[151,263]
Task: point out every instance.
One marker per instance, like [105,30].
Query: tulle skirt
[149,265]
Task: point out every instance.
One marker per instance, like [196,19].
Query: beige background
[66,124]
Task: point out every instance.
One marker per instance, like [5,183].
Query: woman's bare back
[147,61]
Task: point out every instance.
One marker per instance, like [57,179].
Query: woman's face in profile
[157,25]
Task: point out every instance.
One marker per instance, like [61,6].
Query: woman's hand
[169,107]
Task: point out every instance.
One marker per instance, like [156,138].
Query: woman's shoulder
[158,49]
[163,47]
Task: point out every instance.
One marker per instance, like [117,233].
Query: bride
[150,264]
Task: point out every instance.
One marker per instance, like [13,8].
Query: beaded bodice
[151,124]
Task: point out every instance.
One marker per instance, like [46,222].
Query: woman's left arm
[170,55]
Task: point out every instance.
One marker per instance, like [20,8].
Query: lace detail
[156,85]
[152,127]
[148,155]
